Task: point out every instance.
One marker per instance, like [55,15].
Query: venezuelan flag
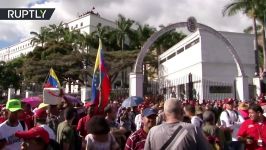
[53,80]
[101,85]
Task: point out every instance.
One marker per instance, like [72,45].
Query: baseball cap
[35,132]
[42,105]
[229,101]
[149,111]
[40,113]
[13,105]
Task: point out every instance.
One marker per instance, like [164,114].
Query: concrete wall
[188,61]
[218,63]
[209,61]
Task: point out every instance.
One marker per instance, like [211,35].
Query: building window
[220,89]
[180,50]
[192,43]
[171,56]
[76,26]
[71,27]
[81,24]
[162,61]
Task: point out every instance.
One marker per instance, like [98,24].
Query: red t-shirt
[252,129]
[2,119]
[82,125]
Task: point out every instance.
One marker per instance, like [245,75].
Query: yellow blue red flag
[101,85]
[53,80]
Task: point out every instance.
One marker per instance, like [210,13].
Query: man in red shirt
[82,123]
[136,140]
[27,115]
[252,131]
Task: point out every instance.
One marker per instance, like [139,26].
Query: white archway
[136,77]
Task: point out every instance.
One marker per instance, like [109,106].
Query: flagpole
[46,78]
[100,81]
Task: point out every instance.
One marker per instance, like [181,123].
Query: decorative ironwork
[192,24]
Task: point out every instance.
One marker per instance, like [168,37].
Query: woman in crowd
[213,133]
[99,137]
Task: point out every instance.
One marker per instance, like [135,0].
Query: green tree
[123,30]
[40,38]
[248,7]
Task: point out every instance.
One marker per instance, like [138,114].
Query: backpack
[237,117]
[227,131]
[214,140]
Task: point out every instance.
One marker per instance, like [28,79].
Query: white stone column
[11,93]
[84,93]
[242,89]
[27,94]
[136,84]
[256,82]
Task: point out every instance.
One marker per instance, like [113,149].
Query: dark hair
[98,125]
[69,113]
[208,116]
[190,108]
[256,108]
[40,120]
[108,109]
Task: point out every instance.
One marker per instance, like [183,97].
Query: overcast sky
[152,12]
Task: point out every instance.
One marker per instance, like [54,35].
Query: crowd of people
[154,124]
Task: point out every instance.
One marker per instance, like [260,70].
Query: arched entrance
[136,77]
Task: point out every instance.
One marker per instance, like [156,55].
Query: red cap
[88,104]
[40,113]
[35,132]
[229,101]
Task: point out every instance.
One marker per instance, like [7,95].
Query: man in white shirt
[138,118]
[231,119]
[8,140]
[40,120]
[190,111]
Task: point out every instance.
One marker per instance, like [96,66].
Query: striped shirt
[136,140]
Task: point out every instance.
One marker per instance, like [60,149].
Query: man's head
[52,110]
[14,108]
[255,112]
[110,112]
[36,138]
[208,117]
[230,104]
[70,114]
[40,116]
[173,109]
[90,109]
[190,110]
[149,117]
[26,107]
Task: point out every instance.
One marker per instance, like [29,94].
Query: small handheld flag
[52,80]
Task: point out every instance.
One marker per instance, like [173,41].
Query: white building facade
[211,65]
